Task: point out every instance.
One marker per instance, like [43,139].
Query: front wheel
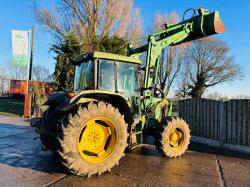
[92,140]
[173,137]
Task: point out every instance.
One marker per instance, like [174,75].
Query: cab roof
[92,55]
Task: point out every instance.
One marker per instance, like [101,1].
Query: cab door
[128,84]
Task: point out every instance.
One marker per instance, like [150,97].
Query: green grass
[11,107]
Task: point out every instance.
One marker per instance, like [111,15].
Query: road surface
[23,162]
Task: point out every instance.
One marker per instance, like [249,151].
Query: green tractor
[116,103]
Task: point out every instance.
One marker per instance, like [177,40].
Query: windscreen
[84,76]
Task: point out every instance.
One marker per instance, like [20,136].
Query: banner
[20,48]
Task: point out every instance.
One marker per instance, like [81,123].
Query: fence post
[222,124]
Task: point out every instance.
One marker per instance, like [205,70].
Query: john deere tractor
[116,103]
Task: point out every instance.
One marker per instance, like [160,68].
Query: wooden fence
[227,122]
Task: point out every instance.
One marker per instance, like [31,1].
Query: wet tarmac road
[24,163]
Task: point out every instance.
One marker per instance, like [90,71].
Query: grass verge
[11,107]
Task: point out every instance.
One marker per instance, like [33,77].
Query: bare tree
[41,73]
[4,82]
[160,20]
[9,72]
[3,73]
[91,18]
[183,86]
[216,96]
[172,57]
[240,96]
[17,72]
[207,64]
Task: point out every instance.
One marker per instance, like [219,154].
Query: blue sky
[16,14]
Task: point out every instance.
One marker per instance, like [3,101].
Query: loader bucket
[207,23]
[212,24]
[218,26]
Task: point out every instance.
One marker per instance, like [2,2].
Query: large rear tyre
[47,128]
[93,140]
[173,137]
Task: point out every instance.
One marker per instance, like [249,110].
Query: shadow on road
[20,147]
[199,147]
[150,150]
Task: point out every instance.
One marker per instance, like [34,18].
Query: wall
[227,123]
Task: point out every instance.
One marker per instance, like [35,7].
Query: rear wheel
[173,137]
[93,140]
[48,127]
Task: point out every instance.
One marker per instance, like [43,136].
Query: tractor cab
[107,72]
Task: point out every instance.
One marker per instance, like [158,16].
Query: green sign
[20,60]
[20,48]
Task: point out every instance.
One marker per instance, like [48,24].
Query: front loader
[116,103]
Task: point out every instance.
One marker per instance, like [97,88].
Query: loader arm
[204,24]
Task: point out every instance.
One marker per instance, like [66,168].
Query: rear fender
[116,100]
[57,99]
[67,106]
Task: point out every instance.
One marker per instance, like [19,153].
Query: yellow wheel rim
[97,140]
[176,138]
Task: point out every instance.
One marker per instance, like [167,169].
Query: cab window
[84,75]
[106,79]
[127,81]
